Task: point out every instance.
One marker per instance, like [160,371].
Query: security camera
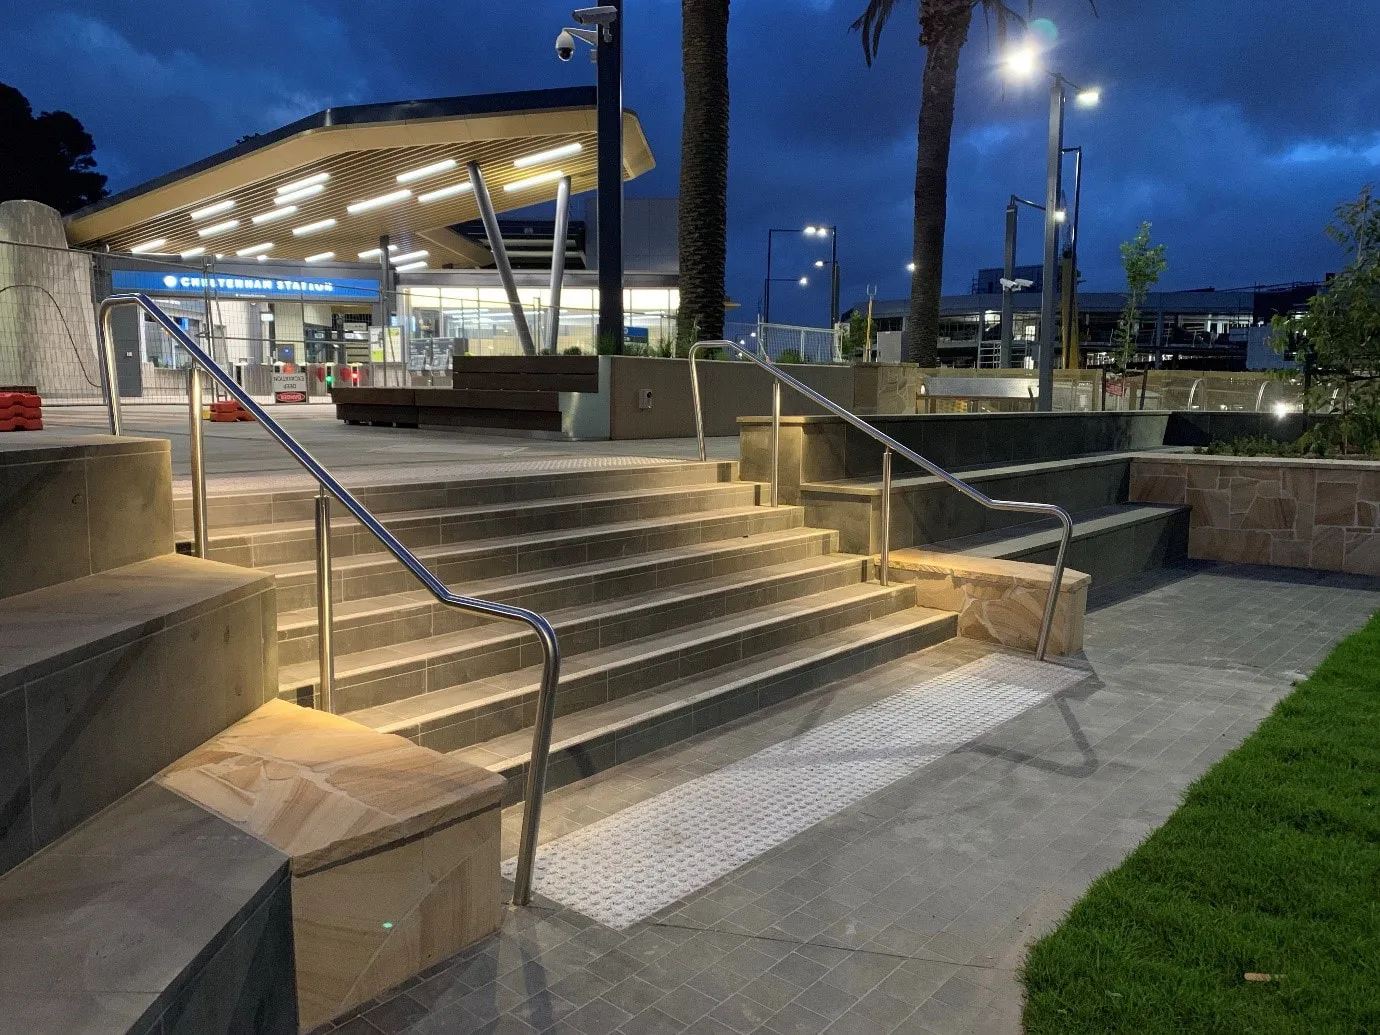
[565,45]
[1016,285]
[595,15]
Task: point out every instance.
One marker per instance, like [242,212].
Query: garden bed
[1256,907]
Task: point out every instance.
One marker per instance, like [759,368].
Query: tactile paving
[624,868]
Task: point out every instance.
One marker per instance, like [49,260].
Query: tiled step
[509,482]
[468,713]
[422,665]
[386,620]
[605,735]
[375,574]
[1109,543]
[283,542]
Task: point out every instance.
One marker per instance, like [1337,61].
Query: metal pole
[766,286]
[1008,303]
[553,320]
[1048,288]
[834,296]
[198,461]
[885,572]
[385,300]
[536,766]
[699,411]
[325,610]
[505,270]
[110,380]
[609,119]
[775,443]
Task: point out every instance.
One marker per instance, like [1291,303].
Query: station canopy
[327,187]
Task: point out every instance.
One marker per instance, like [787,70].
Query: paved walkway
[907,910]
[241,456]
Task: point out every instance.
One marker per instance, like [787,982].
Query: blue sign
[324,289]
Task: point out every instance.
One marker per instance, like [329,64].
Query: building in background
[1206,329]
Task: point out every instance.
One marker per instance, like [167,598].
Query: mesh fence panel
[47,323]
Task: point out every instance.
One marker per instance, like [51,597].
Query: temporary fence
[788,343]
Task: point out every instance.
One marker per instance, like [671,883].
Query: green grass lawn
[1270,866]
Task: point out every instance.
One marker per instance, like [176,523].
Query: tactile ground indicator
[626,867]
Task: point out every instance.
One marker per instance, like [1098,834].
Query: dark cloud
[1233,126]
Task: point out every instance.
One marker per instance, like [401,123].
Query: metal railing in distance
[329,487]
[890,446]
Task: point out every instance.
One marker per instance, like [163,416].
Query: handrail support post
[775,443]
[884,572]
[536,769]
[197,449]
[325,606]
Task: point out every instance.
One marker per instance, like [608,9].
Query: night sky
[1234,126]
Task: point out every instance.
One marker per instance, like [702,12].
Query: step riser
[518,649]
[385,575]
[349,539]
[571,765]
[1121,553]
[466,727]
[298,504]
[430,618]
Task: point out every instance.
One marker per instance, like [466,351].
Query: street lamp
[1023,62]
[604,32]
[811,230]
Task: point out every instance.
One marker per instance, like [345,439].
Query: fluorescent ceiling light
[411,266]
[263,258]
[148,246]
[275,214]
[298,195]
[444,192]
[410,256]
[547,156]
[373,253]
[311,228]
[320,257]
[534,181]
[255,249]
[213,210]
[193,252]
[218,228]
[391,198]
[427,170]
[309,181]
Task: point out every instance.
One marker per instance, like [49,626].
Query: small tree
[1143,264]
[855,343]
[1339,334]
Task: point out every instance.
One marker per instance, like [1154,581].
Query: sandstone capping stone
[997,600]
[394,848]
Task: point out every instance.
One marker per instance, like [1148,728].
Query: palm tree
[944,28]
[703,168]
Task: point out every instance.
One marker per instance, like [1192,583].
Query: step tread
[492,633]
[388,604]
[542,539]
[341,519]
[1019,539]
[513,749]
[439,704]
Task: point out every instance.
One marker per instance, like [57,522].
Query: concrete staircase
[680,603]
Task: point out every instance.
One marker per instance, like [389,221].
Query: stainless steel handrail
[891,446]
[551,669]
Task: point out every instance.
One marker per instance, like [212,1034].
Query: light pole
[1023,62]
[1009,283]
[809,231]
[607,40]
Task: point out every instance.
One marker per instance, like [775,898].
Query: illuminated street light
[819,264]
[804,281]
[1022,62]
[1060,215]
[910,267]
[1088,98]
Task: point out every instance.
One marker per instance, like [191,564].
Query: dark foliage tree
[45,157]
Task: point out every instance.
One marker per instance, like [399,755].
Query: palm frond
[871,24]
